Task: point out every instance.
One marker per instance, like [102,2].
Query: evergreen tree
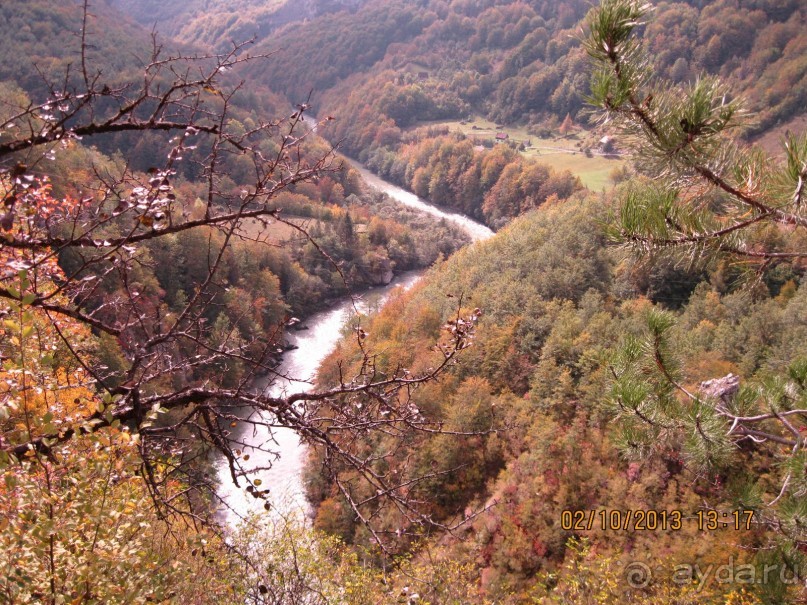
[703,197]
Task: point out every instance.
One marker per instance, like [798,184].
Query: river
[284,478]
[477,231]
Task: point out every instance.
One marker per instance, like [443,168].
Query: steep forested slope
[521,61]
[41,38]
[219,23]
[556,302]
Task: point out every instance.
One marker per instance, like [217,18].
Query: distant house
[607,145]
[501,137]
[423,75]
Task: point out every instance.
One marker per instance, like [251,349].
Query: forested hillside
[537,372]
[556,304]
[220,23]
[40,38]
[522,61]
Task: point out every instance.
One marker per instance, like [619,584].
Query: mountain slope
[219,23]
[42,37]
[522,62]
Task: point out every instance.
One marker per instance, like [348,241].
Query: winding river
[324,330]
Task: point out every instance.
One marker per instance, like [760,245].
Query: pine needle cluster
[701,195]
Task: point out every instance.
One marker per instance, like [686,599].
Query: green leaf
[24,281]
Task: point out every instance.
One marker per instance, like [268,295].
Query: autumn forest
[381,302]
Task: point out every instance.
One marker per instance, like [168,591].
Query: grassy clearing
[593,171]
[559,152]
[277,232]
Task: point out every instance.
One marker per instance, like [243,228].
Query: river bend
[324,330]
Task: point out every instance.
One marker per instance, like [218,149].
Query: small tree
[567,126]
[706,197]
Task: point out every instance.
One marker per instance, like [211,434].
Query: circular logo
[637,574]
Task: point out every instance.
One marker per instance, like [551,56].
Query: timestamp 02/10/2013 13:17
[654,520]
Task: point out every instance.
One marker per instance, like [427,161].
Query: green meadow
[559,152]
